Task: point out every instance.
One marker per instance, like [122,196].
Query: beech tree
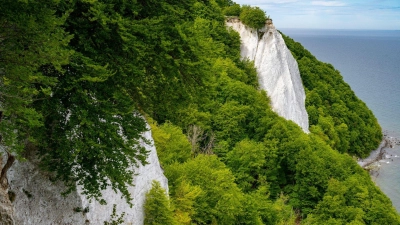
[57,93]
[253,17]
[233,10]
[157,207]
[92,126]
[31,42]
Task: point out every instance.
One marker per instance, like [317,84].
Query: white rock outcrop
[38,201]
[278,72]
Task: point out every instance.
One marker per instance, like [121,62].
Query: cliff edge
[277,70]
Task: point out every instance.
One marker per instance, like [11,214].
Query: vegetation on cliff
[253,17]
[76,74]
[335,112]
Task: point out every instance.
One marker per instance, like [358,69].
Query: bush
[233,10]
[253,17]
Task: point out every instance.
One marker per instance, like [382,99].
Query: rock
[39,201]
[392,141]
[278,72]
[375,156]
[6,208]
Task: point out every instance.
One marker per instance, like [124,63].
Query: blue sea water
[369,61]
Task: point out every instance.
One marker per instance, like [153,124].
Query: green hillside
[335,113]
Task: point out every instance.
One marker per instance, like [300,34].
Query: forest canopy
[78,78]
[335,113]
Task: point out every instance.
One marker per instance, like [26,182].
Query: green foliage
[248,161]
[219,199]
[92,133]
[233,10]
[335,113]
[172,145]
[311,180]
[76,75]
[77,209]
[253,17]
[32,42]
[259,209]
[157,208]
[353,201]
[284,213]
[115,220]
[266,154]
[184,198]
[251,77]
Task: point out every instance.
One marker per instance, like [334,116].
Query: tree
[92,128]
[253,17]
[219,200]
[172,145]
[233,10]
[248,162]
[32,41]
[157,208]
[184,199]
[354,200]
[91,134]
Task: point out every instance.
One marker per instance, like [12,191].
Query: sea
[369,61]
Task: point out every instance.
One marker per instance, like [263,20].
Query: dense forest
[335,113]
[80,78]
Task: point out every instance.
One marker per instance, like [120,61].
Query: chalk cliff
[38,201]
[278,72]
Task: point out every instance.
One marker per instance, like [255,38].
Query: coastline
[384,173]
[379,153]
[375,155]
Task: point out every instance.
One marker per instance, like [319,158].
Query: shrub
[253,17]
[233,10]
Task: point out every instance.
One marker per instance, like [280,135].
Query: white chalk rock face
[38,201]
[277,70]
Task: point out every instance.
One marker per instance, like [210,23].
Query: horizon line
[360,29]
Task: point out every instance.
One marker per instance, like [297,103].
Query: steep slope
[38,200]
[277,70]
[335,113]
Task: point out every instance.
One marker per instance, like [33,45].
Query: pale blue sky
[331,14]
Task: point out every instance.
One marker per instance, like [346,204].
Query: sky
[331,14]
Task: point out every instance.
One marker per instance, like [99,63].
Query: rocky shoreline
[379,153]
